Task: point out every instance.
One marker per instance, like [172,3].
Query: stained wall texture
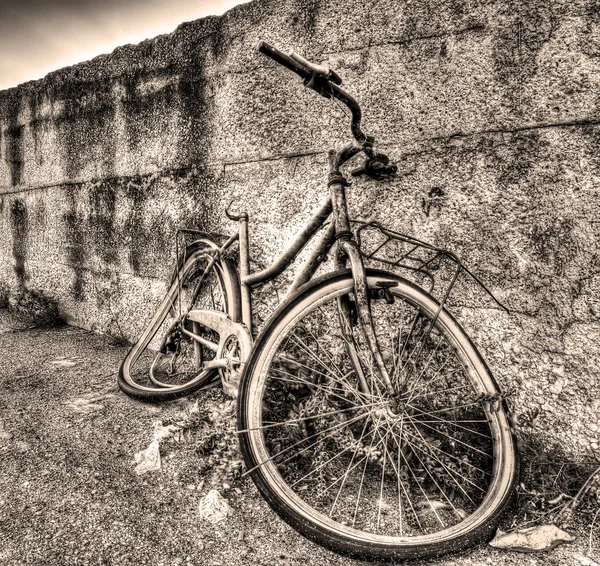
[490,108]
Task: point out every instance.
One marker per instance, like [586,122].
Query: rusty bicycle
[366,416]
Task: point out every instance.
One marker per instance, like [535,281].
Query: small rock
[148,460]
[213,507]
[63,363]
[4,435]
[532,539]
[82,405]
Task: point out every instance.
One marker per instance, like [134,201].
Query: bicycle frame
[335,207]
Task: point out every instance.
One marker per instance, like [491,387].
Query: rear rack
[434,268]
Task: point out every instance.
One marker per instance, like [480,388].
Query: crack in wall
[273,158]
[222,165]
[492,131]
[409,40]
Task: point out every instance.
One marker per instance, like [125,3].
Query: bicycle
[367,418]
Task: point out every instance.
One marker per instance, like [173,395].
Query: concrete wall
[490,108]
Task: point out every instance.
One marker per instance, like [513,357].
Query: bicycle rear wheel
[422,473]
[166,362]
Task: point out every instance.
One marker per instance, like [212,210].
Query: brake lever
[326,72]
[320,84]
[377,168]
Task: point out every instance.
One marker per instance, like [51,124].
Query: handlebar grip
[285,60]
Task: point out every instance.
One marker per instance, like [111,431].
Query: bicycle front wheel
[423,472]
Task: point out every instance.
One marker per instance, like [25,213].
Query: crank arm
[225,327]
[223,363]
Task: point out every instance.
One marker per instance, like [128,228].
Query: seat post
[246,292]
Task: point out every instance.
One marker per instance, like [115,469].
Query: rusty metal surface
[316,258]
[226,329]
[295,248]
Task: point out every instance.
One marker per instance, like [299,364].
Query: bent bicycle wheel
[166,362]
[423,472]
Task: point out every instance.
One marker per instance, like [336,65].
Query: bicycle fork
[348,250]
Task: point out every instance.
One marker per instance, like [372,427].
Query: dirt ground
[69,493]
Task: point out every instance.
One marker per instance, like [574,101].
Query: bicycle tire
[189,266]
[260,414]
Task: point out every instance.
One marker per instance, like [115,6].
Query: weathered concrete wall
[491,109]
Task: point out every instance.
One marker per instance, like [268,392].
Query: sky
[38,36]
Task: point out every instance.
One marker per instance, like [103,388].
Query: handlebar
[319,69]
[285,60]
[323,81]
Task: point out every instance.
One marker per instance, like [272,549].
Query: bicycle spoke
[422,346]
[449,455]
[319,386]
[385,452]
[454,407]
[298,420]
[438,375]
[322,465]
[457,388]
[400,512]
[410,333]
[453,438]
[408,498]
[418,379]
[295,361]
[341,476]
[452,423]
[326,352]
[345,475]
[396,358]
[305,347]
[426,468]
[351,388]
[382,440]
[313,356]
[362,479]
[422,490]
[458,421]
[450,471]
[331,430]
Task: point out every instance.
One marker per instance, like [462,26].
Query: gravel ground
[69,493]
